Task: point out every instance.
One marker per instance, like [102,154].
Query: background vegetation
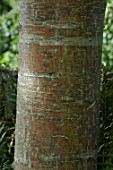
[107,55]
[105,151]
[9,29]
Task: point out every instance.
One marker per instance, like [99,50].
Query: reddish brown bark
[58,85]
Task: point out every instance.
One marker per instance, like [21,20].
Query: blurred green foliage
[9,31]
[107,54]
[6,6]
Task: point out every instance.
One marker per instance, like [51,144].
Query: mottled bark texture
[58,85]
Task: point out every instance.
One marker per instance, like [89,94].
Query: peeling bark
[58,84]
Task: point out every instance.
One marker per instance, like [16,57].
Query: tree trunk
[58,84]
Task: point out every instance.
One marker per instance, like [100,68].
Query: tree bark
[58,84]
